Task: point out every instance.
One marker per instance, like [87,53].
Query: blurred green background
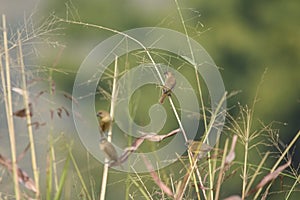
[244,38]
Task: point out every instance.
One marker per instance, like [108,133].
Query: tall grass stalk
[49,174]
[9,113]
[51,164]
[246,151]
[211,176]
[62,179]
[193,161]
[28,119]
[112,109]
[219,182]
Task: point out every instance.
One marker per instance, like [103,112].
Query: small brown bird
[108,150]
[170,83]
[22,112]
[199,148]
[105,121]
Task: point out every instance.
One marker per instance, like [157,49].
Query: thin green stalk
[214,161]
[210,126]
[62,179]
[53,157]
[195,67]
[28,119]
[257,172]
[51,144]
[146,192]
[140,188]
[49,174]
[9,112]
[133,108]
[79,175]
[286,151]
[195,182]
[292,188]
[247,136]
[129,142]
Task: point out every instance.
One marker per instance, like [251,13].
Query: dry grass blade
[146,136]
[153,137]
[70,97]
[22,112]
[156,179]
[23,177]
[231,155]
[271,176]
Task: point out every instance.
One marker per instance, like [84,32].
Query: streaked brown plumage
[170,83]
[108,150]
[105,121]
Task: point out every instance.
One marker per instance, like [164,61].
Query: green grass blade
[62,179]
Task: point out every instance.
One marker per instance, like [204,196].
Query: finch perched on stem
[108,150]
[105,121]
[199,148]
[170,83]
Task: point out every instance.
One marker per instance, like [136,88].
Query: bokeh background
[248,40]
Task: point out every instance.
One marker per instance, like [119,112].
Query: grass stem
[112,108]
[28,119]
[9,113]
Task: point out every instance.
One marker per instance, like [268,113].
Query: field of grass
[42,157]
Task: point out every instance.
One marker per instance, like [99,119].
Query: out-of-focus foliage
[243,37]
